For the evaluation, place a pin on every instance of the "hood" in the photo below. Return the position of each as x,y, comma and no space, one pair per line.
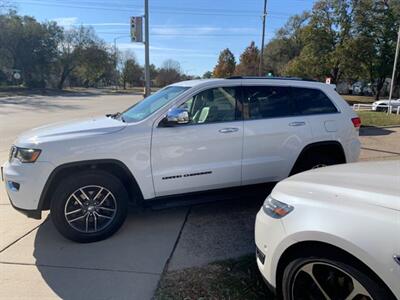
71,129
374,183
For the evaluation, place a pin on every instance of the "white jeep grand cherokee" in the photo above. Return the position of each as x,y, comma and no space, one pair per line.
190,136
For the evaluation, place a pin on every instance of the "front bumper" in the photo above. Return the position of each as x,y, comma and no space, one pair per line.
269,233
24,185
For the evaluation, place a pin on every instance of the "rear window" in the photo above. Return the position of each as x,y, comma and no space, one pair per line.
312,101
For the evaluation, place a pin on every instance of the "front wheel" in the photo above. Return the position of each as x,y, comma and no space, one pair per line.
321,278
89,206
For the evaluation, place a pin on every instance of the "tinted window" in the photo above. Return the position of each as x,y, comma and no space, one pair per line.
267,102
213,105
312,101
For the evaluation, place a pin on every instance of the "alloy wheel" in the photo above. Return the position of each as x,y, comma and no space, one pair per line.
90,209
319,280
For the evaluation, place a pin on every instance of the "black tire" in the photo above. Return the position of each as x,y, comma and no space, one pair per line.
382,108
314,160
112,221
292,288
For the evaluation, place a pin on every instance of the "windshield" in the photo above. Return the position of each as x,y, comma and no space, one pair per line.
149,105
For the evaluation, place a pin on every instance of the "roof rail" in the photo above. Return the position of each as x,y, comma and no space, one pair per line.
271,77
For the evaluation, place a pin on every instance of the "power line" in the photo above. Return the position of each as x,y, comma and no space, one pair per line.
169,11
186,34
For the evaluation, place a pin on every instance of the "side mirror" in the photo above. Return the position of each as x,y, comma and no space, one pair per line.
176,116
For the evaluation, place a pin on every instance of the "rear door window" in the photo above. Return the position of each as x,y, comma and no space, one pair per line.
312,101
261,102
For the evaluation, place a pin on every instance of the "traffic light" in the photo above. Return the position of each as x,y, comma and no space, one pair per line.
137,29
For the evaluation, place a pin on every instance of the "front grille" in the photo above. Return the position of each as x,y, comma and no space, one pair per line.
260,255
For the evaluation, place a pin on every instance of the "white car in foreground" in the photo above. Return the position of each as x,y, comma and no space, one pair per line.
383,105
333,233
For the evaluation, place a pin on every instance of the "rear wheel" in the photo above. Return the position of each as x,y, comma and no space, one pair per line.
322,278
314,160
89,206
382,108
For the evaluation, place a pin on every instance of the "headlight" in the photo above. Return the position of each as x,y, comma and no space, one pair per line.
25,155
275,208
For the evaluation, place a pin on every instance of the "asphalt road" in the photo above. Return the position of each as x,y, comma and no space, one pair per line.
36,262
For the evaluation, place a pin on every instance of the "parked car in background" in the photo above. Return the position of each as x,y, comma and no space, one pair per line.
333,233
191,136
383,105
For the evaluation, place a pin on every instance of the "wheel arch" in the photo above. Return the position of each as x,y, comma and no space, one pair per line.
331,146
112,166
312,247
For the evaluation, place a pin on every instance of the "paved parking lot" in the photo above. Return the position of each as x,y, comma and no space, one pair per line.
37,262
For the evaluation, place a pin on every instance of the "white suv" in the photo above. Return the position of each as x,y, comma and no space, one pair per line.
190,136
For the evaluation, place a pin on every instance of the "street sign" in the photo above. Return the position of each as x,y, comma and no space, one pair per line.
137,29
328,80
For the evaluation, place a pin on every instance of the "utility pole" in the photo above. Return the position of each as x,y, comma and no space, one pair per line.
394,70
260,69
146,49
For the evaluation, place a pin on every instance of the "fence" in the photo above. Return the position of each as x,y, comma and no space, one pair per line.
367,107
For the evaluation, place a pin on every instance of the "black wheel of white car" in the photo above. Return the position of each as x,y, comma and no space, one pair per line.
89,206
382,108
320,278
314,161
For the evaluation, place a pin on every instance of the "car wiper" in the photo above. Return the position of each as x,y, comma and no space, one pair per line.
114,116
117,116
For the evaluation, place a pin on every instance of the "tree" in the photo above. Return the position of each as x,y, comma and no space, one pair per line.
226,64
376,24
169,73
249,61
6,5
153,72
72,47
207,75
96,65
286,45
132,72
325,41
29,47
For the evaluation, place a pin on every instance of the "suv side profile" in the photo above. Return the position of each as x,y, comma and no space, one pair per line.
189,137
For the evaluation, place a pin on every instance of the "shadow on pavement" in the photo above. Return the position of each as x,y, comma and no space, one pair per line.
129,264
125,266
219,231
375,131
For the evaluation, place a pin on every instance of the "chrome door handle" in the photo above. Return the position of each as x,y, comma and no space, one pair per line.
297,124
228,130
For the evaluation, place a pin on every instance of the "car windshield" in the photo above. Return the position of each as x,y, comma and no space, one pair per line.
154,102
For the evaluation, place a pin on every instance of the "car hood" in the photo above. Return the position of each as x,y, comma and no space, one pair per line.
71,129
374,183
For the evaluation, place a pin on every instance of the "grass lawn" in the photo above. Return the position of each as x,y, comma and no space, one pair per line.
230,279
352,99
374,118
